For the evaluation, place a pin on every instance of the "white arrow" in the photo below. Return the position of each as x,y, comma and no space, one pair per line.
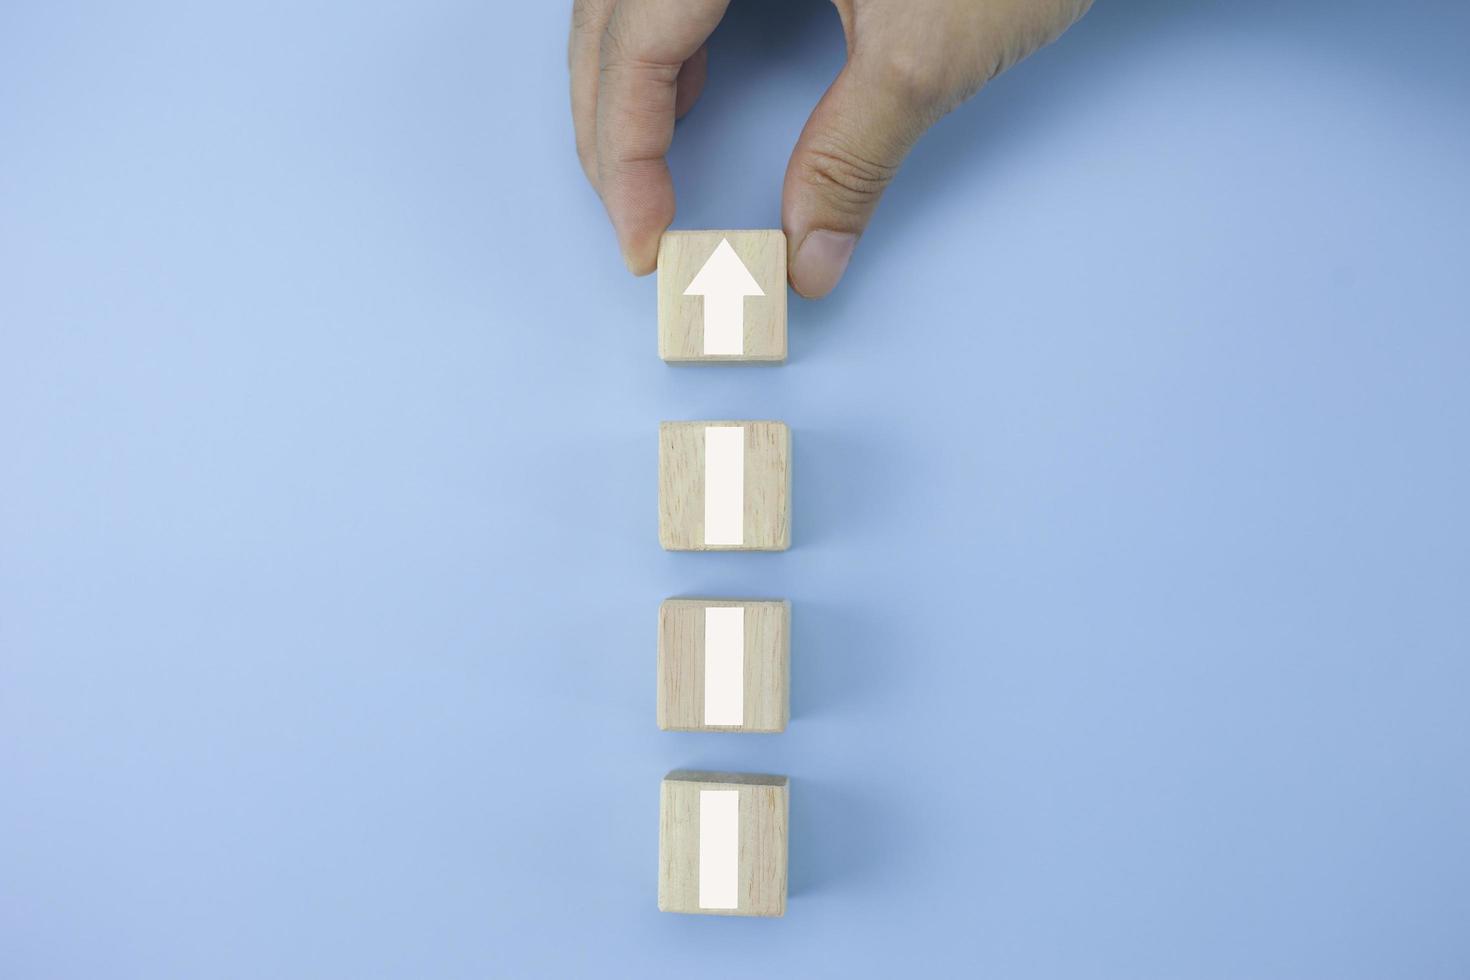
724,282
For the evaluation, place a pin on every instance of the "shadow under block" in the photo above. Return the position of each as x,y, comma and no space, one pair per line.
724,665
722,296
724,486
722,843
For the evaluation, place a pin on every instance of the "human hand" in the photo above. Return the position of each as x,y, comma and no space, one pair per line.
637,65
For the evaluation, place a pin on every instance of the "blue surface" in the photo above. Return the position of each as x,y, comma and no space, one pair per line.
1132,565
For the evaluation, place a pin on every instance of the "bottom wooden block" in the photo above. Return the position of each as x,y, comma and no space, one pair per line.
722,843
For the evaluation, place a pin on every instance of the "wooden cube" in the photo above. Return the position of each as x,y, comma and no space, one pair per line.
724,665
722,296
724,486
722,843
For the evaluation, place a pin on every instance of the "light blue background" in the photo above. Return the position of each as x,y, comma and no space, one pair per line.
1132,565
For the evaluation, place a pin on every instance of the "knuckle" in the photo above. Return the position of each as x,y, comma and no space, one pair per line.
619,55
850,181
619,42
638,96
614,43
917,79
587,14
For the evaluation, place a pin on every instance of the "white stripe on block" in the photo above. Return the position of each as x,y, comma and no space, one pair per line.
719,848
724,665
724,325
724,485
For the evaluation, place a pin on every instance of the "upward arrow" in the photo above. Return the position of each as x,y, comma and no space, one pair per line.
724,282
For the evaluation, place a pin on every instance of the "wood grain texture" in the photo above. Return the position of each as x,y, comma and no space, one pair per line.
767,666
767,505
764,818
681,254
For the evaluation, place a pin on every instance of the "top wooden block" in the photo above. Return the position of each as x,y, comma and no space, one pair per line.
722,296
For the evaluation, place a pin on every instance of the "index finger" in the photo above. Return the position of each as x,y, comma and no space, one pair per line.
645,45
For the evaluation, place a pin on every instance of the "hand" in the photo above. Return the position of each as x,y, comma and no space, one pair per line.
637,65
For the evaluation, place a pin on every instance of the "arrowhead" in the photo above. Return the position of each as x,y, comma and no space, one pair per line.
723,274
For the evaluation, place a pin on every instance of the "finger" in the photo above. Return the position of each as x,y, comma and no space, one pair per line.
847,155
691,81
589,22
644,49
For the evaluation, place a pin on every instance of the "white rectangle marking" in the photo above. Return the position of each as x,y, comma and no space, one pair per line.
719,848
724,485
724,325
724,665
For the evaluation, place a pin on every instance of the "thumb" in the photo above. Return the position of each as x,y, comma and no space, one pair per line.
848,153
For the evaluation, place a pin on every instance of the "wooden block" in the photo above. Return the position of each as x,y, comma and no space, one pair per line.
722,843
724,486
722,296
724,665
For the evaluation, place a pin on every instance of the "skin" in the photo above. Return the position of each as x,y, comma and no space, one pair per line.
637,65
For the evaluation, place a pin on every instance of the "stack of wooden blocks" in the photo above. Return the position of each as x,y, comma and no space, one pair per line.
724,665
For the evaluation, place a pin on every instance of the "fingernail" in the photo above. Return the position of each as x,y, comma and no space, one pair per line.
821,258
